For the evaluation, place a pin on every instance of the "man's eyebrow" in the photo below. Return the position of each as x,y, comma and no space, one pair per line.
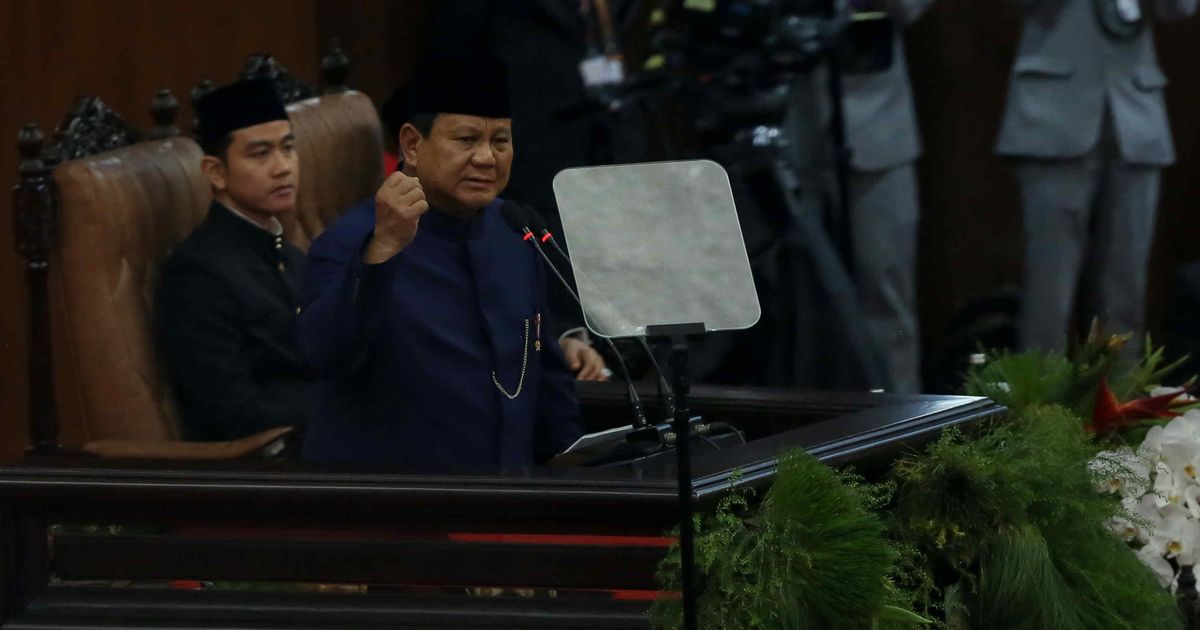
258,144
289,137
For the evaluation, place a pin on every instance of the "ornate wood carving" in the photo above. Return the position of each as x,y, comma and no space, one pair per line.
335,68
163,109
35,213
91,127
289,87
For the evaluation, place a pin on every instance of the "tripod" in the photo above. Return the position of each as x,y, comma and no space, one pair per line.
809,335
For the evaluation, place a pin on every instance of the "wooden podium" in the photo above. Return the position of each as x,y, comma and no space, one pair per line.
90,543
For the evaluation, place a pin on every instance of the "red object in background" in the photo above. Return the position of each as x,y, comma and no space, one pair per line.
390,162
1110,415
644,596
187,585
563,539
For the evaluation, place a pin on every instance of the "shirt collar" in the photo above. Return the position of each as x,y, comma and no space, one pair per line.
450,227
276,227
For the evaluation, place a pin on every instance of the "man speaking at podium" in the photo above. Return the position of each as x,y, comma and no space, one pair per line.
428,311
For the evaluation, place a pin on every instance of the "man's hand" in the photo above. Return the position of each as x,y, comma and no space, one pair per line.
587,364
399,205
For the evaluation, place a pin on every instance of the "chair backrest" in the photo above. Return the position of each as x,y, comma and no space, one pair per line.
341,159
121,212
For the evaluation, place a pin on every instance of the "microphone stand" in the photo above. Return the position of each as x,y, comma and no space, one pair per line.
635,403
665,395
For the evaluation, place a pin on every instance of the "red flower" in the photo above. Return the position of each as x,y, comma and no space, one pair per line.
1109,415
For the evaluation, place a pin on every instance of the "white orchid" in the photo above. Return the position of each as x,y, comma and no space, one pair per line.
1127,525
1185,428
1152,444
1147,514
1159,390
1158,564
1183,458
1169,485
1191,500
1175,535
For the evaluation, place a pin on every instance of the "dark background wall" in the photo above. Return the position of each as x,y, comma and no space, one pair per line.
125,50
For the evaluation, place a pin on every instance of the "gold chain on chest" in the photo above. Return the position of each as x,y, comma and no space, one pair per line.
524,365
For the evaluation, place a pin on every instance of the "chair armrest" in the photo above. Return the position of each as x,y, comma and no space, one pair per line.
265,445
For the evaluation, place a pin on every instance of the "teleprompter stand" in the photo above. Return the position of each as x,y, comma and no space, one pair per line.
678,336
657,250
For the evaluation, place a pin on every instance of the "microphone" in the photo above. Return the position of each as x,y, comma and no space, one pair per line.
519,220
542,230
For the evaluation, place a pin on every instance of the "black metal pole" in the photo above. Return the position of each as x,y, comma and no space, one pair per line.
687,533
1186,596
841,225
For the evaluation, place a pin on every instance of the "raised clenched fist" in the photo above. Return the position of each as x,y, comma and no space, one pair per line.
399,205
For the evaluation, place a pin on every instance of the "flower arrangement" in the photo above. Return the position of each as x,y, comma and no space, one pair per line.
997,527
1159,489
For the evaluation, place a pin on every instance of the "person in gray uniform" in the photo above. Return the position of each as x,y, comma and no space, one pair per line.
1087,126
882,137
881,132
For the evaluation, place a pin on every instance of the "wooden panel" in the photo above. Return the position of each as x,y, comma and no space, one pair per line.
66,607
1176,240
425,562
959,57
383,38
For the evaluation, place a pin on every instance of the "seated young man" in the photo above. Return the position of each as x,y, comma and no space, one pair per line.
429,311
227,300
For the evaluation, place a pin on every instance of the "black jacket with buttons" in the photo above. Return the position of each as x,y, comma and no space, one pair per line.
226,317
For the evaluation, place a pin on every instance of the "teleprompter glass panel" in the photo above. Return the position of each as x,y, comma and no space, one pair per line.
656,244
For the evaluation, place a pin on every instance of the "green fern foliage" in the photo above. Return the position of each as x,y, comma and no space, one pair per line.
1025,379
1014,514
809,557
1019,381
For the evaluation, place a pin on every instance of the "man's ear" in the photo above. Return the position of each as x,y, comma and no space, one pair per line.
410,139
214,170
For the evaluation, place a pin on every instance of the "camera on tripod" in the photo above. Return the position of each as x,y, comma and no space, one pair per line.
755,85
734,59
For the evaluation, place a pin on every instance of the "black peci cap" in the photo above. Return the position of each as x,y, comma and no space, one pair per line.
237,106
396,110
474,86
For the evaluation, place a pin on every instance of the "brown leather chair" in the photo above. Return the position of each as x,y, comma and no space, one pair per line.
120,213
341,159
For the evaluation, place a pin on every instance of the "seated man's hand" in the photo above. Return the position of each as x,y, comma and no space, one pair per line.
587,364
